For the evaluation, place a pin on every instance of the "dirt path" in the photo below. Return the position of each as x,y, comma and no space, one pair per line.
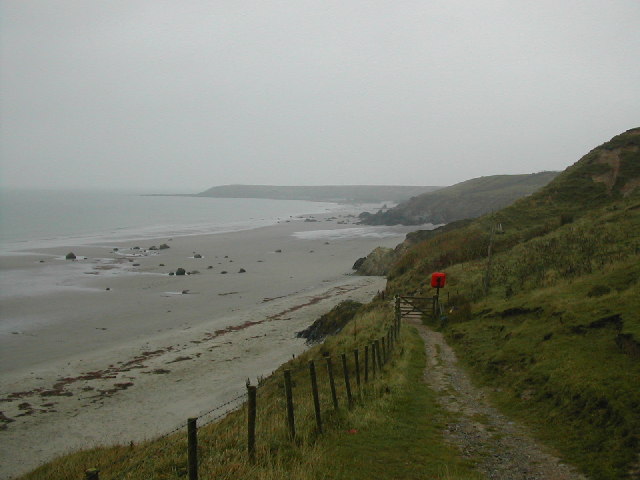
503,449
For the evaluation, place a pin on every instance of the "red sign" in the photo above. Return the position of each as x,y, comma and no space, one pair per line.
438,279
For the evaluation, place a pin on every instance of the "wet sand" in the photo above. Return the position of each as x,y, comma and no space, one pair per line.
110,348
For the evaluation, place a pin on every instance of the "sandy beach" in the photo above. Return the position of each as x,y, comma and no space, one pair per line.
110,348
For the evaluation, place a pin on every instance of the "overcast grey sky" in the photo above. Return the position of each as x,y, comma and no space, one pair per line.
181,95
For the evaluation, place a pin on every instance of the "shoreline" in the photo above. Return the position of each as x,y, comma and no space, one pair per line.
153,232
146,220
123,341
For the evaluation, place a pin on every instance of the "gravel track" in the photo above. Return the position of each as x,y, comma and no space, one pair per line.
502,448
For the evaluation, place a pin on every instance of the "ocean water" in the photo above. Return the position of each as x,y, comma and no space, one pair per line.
36,218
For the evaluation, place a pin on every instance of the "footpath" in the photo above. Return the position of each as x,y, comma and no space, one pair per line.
502,449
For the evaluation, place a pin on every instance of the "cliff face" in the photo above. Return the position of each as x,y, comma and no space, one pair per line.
468,199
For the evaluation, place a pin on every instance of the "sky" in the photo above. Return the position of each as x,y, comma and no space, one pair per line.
181,95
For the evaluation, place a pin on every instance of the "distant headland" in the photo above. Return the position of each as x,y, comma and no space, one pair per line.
324,193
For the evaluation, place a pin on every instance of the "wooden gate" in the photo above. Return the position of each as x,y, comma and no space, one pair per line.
416,307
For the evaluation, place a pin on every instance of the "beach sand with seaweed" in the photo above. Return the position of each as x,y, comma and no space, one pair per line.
110,348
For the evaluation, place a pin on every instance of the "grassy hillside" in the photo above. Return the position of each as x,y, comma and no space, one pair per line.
551,322
327,193
468,199
391,431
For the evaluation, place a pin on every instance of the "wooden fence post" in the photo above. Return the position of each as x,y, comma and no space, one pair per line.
434,306
316,396
378,357
373,360
288,389
366,363
357,365
332,382
92,474
389,343
385,349
398,313
347,384
192,448
251,422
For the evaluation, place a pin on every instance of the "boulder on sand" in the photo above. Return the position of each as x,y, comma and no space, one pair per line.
181,271
70,256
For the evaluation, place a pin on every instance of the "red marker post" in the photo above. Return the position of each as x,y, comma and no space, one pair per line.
438,281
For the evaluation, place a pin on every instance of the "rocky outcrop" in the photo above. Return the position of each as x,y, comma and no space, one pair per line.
377,262
380,260
331,322
358,263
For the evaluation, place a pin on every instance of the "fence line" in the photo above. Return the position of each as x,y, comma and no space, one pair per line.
377,353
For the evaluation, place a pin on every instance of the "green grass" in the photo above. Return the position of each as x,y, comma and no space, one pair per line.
557,335
402,440
396,421
557,366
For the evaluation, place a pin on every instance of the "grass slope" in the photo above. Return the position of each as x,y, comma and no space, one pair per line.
402,439
392,430
552,322
468,199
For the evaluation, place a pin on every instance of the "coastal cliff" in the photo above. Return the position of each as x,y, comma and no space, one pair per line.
468,199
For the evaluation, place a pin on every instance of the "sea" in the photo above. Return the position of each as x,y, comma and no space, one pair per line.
31,219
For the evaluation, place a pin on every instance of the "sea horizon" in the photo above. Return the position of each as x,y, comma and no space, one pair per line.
47,218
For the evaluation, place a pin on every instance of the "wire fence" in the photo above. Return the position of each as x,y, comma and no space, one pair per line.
297,403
